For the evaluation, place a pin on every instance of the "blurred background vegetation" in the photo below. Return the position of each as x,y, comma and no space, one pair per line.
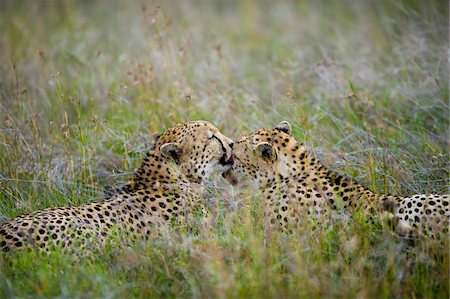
84,85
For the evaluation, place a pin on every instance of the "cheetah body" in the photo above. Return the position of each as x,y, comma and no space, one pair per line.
294,184
167,185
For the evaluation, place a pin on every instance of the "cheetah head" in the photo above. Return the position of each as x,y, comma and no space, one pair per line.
198,148
265,155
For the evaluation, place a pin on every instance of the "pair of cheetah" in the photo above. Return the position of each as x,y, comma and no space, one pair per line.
168,186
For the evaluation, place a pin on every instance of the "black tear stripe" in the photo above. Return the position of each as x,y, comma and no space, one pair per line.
222,159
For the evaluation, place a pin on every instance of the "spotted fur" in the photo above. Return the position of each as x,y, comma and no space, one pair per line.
167,186
295,183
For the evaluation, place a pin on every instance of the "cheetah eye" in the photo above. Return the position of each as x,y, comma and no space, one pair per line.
210,135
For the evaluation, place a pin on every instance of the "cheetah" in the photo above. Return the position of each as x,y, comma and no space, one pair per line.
167,185
295,183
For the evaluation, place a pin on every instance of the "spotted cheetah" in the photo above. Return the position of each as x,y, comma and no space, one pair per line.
295,183
167,185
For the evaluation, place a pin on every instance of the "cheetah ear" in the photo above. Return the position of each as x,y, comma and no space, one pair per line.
265,150
155,136
171,150
284,126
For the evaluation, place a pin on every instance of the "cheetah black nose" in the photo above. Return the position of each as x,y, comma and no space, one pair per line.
226,162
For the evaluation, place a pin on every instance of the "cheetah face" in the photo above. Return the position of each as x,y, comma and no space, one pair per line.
198,148
260,157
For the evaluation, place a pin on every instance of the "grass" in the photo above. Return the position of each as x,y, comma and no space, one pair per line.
83,86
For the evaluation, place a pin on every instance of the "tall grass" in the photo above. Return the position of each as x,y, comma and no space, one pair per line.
83,86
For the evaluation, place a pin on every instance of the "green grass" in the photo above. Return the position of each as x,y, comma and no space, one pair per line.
83,86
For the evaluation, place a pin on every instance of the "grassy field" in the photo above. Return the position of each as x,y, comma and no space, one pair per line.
83,86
